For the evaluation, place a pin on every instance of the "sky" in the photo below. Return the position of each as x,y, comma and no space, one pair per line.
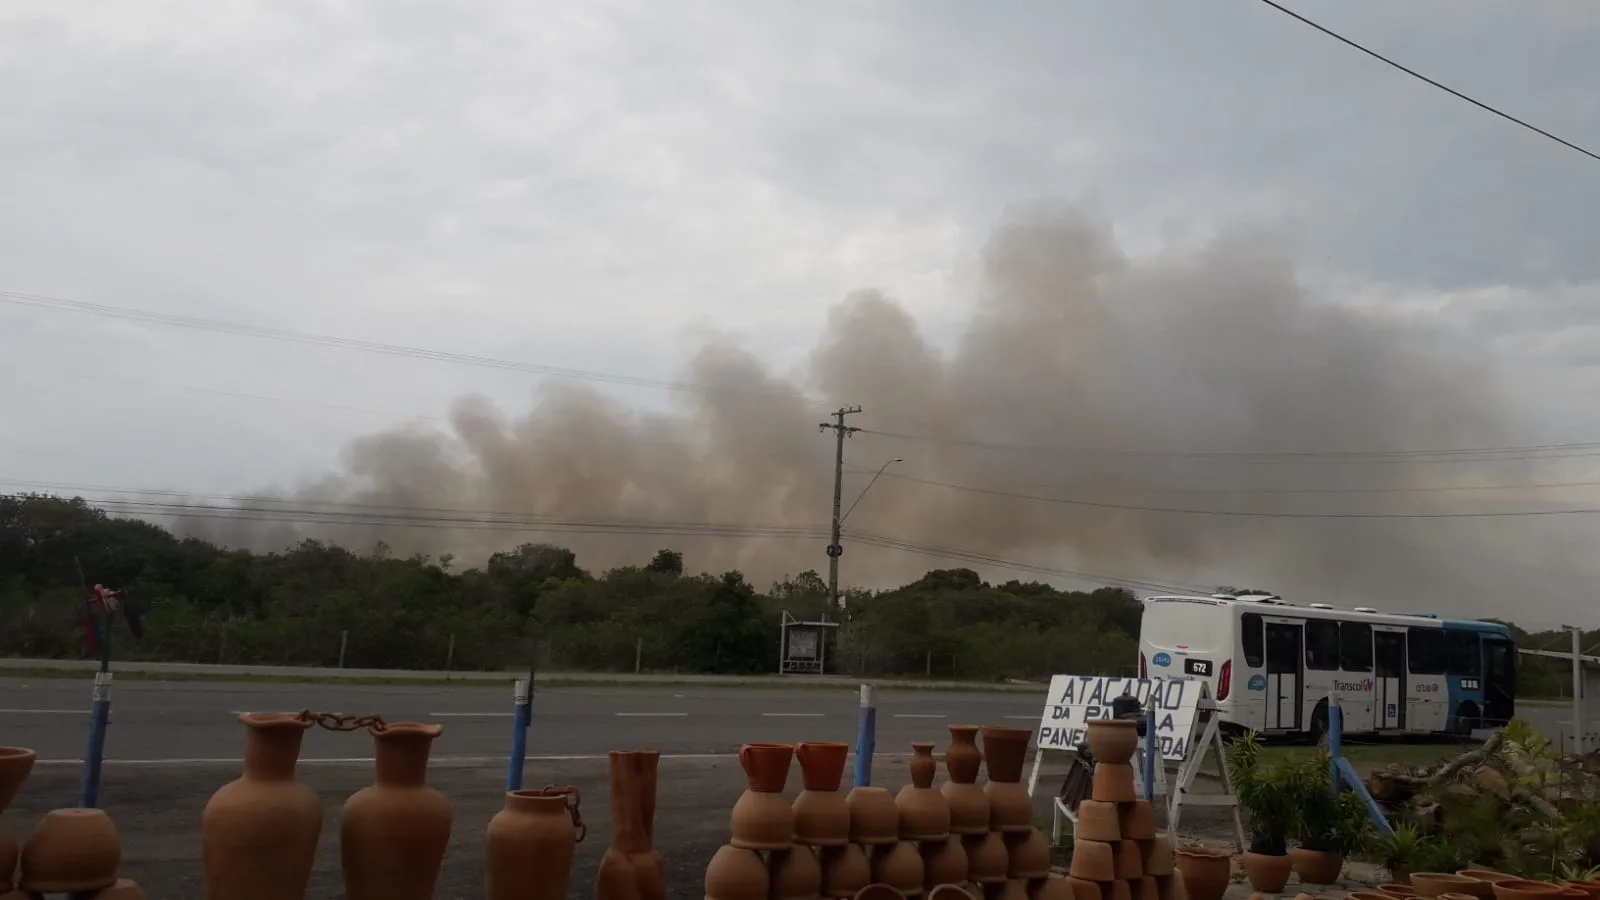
614,186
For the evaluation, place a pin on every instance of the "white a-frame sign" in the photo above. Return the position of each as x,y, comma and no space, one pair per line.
1186,726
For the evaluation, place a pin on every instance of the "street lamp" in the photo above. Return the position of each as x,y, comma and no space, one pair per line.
864,490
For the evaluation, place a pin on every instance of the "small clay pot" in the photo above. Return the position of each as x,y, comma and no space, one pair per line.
1432,884
1267,872
821,816
1482,890
987,860
821,764
1170,887
1316,866
1099,821
1158,856
1205,872
874,818
1029,855
1005,750
71,851
735,874
1113,740
1011,889
951,891
1113,783
969,807
944,862
1094,860
15,764
1084,889
924,812
762,819
1051,887
921,764
766,766
1010,807
1129,859
1145,888
1137,820
845,870
963,759
898,865
794,874
879,892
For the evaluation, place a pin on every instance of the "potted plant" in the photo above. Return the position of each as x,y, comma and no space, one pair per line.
1328,826
1267,796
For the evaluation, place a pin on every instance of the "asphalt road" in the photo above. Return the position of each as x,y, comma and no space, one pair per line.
191,723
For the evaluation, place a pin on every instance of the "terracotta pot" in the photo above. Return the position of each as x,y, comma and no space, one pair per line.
924,812
1316,866
1113,740
1113,783
794,874
1137,820
1205,872
1029,855
845,870
951,891
259,832
1099,821
821,817
879,892
944,862
1479,888
987,859
899,866
124,889
1011,889
1053,887
1158,857
735,874
1084,889
874,818
1568,892
1522,889
393,833
1170,887
1397,890
1592,888
1129,859
529,845
969,807
1432,884
10,849
71,851
630,869
1267,873
1145,888
963,759
1005,750
15,764
1010,807
763,819
1094,860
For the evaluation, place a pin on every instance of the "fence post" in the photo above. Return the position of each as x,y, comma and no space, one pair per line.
344,641
521,717
866,737
638,655
450,653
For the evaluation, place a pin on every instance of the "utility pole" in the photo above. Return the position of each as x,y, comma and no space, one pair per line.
836,549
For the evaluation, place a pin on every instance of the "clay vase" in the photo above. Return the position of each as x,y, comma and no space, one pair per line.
944,862
735,874
630,868
794,874
898,865
1267,872
845,870
393,832
1010,807
1205,872
1113,740
71,851
874,819
258,834
15,764
969,806
987,860
529,845
1028,855
924,813
821,817
763,819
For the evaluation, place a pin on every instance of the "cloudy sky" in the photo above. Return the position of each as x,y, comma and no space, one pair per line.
602,186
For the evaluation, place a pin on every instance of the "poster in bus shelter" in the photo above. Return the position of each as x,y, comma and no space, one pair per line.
1076,700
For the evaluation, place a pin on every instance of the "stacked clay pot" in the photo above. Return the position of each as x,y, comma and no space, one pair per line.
1013,840
762,860
71,851
1118,853
822,820
924,816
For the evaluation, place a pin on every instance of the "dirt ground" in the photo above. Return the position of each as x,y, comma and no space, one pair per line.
157,811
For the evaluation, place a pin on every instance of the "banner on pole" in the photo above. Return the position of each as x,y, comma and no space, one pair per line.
1076,700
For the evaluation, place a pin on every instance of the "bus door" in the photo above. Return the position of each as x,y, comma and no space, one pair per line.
1389,676
1285,669
1499,681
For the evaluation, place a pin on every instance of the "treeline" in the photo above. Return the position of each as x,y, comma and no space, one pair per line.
318,605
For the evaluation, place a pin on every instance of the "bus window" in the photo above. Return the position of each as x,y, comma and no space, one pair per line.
1322,645
1462,656
1426,649
1255,649
1355,646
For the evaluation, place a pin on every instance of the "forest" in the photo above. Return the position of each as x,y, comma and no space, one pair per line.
308,605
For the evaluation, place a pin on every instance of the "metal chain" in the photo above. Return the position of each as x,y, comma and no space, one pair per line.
339,722
574,801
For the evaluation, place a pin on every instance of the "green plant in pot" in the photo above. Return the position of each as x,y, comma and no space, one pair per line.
1328,826
1267,795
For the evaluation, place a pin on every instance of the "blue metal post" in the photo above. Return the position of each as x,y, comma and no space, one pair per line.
866,737
94,754
1335,738
521,718
1151,748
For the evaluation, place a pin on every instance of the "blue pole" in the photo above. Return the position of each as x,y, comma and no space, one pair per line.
94,754
521,718
1150,748
1335,738
866,737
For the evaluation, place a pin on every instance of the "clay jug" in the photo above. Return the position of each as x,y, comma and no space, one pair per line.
898,865
15,764
762,819
735,874
393,832
530,843
630,868
1113,740
987,859
1010,807
874,819
969,806
944,862
923,812
821,817
71,851
794,874
845,870
258,834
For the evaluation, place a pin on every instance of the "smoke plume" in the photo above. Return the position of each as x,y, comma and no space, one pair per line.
1082,374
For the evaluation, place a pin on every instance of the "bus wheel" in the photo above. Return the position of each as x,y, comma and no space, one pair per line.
1467,717
1319,724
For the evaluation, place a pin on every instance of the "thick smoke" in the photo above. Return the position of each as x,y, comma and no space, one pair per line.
1109,377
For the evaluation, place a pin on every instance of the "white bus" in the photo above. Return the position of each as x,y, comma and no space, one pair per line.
1271,664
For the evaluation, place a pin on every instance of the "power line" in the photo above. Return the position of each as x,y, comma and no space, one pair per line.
1423,78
